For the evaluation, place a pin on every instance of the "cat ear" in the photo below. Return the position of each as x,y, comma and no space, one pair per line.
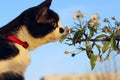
44,6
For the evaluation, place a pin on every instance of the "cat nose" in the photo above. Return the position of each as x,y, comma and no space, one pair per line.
61,30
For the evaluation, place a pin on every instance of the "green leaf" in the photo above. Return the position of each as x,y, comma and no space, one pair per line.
98,47
113,42
62,38
89,50
69,44
101,36
91,32
105,47
93,61
77,36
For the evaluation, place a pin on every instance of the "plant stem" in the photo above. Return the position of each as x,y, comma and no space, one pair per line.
96,40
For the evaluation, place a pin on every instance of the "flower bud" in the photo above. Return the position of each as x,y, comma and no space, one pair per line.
66,52
113,17
106,20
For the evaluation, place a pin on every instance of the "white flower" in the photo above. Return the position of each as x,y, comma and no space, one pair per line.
83,15
67,31
95,18
94,25
91,24
94,21
78,15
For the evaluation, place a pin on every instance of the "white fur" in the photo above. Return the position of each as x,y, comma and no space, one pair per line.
17,64
24,35
22,60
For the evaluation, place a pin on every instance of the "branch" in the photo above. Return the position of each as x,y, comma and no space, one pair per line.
96,40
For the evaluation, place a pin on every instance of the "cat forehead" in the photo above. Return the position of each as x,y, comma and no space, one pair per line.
49,17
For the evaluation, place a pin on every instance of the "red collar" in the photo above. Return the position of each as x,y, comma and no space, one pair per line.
18,41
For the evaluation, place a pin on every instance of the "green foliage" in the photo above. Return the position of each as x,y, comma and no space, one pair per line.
105,47
91,38
93,59
62,39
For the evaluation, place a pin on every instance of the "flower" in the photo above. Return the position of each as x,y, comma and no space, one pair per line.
106,20
113,17
91,24
78,15
98,58
94,21
66,34
95,18
67,31
95,27
106,30
83,15
66,52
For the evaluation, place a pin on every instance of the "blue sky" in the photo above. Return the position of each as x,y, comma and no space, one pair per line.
50,58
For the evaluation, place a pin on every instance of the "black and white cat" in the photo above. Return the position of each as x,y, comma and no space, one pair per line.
32,28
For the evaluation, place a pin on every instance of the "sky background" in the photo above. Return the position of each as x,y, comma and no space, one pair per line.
50,58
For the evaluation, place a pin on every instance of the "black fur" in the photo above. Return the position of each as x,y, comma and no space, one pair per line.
11,76
38,20
7,49
42,27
